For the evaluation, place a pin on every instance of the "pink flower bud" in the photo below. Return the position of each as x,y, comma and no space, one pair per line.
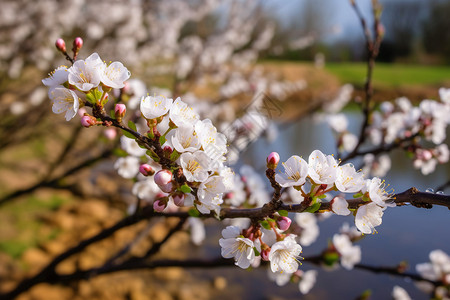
88,121
168,150
166,188
60,45
159,205
77,43
178,199
265,254
427,155
146,170
110,133
272,160
119,111
82,111
283,223
163,177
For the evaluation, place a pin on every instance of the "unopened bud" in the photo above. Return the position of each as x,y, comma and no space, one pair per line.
159,205
427,155
178,199
163,177
110,133
119,111
272,160
168,150
265,254
61,45
88,121
283,223
166,188
77,43
146,170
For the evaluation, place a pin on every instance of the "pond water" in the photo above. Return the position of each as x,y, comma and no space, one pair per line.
407,233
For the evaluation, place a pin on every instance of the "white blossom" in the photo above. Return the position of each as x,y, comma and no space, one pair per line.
368,217
307,282
295,172
375,188
284,255
195,166
399,293
154,107
85,74
131,146
127,167
182,114
198,233
57,77
237,246
64,100
350,254
348,180
322,169
185,139
114,75
340,206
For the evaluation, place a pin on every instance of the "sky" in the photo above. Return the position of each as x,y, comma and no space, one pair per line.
338,15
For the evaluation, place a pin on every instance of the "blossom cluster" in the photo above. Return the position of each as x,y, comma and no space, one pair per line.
86,80
419,130
249,246
438,270
324,174
196,148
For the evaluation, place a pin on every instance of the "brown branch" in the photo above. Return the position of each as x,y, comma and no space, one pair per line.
372,46
48,274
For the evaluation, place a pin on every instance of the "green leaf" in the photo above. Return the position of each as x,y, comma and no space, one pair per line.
112,114
153,155
283,213
357,195
120,152
185,188
132,125
265,224
128,135
162,139
256,252
193,212
174,155
90,97
330,258
322,196
313,208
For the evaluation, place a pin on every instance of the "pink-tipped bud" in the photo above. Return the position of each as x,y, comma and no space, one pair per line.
265,254
110,133
159,205
178,199
168,150
146,170
427,155
60,45
163,177
77,44
88,121
166,188
284,223
119,111
272,160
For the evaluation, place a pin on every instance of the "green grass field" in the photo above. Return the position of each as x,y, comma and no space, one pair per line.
390,75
